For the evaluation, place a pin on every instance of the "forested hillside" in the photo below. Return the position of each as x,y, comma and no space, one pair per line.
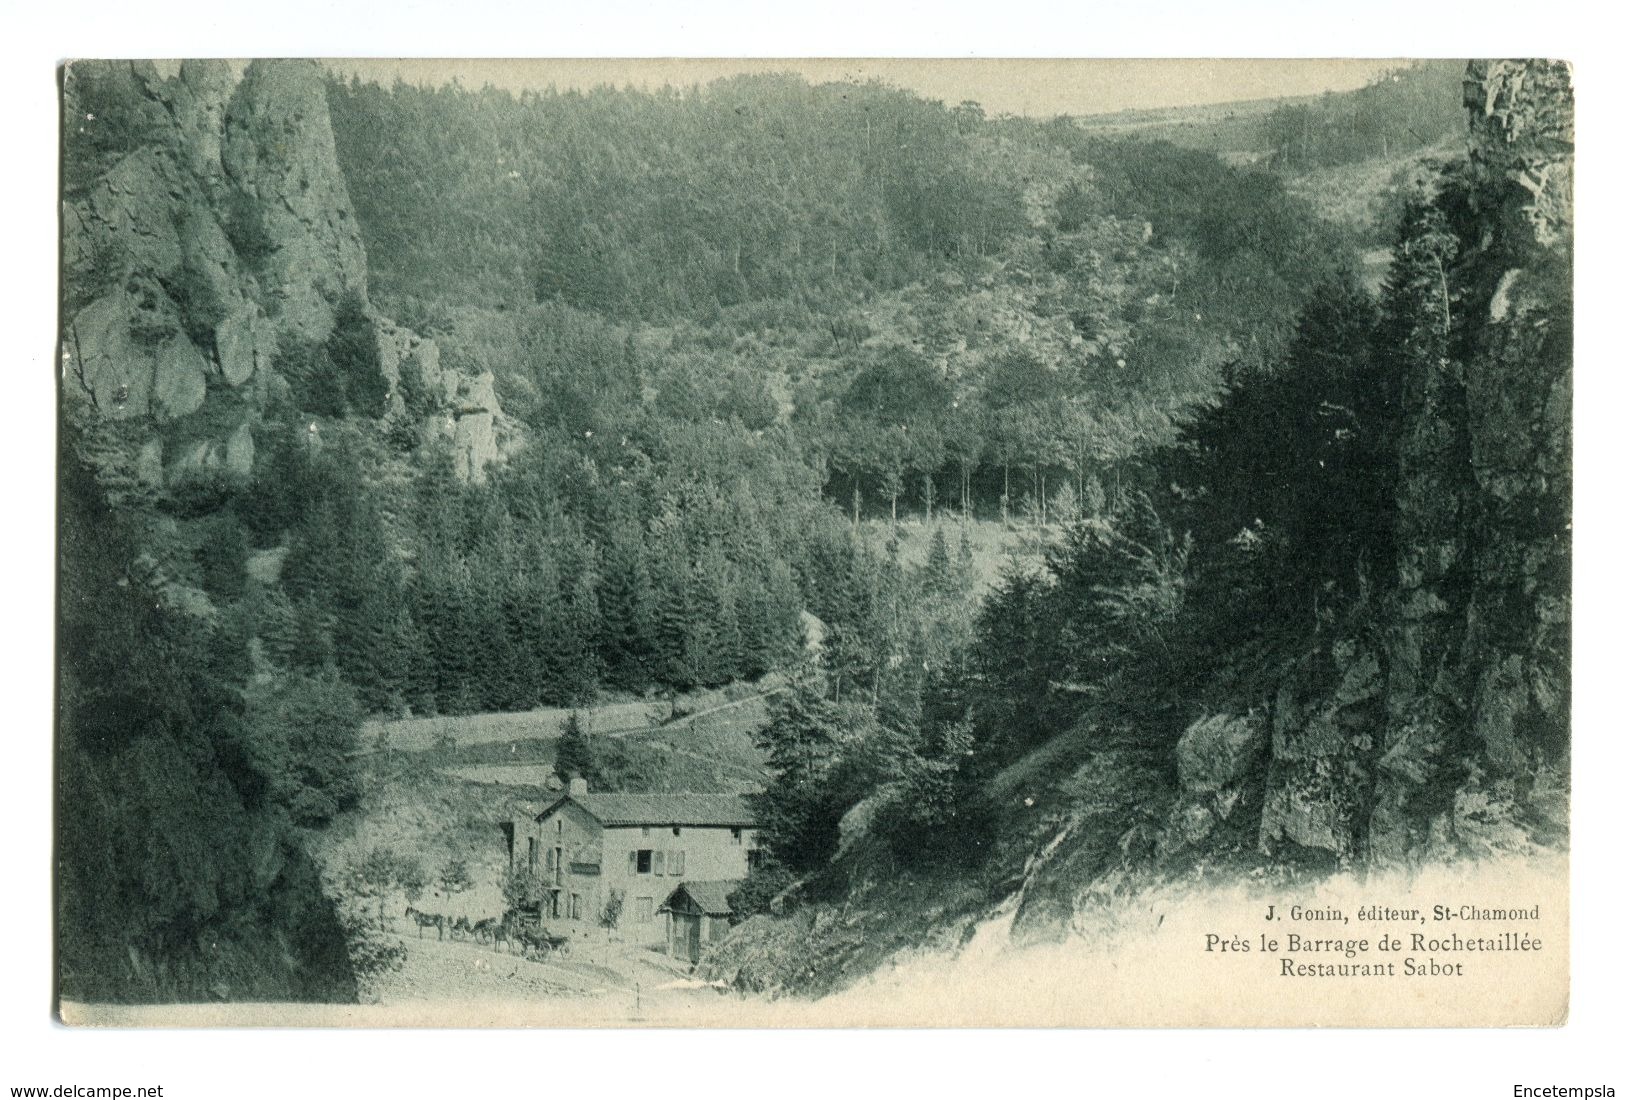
1411,107
1333,632
425,401
919,293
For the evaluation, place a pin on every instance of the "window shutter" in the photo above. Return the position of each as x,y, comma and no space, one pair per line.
679,860
550,865
660,861
632,856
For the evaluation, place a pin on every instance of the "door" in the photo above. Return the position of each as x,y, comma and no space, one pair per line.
694,938
685,936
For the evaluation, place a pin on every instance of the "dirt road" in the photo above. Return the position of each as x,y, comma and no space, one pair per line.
597,980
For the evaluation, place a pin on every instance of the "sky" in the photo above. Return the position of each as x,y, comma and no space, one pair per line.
1034,87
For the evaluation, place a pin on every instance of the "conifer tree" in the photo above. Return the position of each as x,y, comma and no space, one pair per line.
937,578
800,810
626,602
573,756
674,620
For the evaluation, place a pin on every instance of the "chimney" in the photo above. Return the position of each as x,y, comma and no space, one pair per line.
578,787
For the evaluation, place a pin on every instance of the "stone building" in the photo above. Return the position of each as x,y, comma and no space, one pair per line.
624,856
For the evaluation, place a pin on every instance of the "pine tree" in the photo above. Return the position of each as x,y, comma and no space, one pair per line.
937,578
800,811
728,655
626,602
674,621
523,626
582,629
573,756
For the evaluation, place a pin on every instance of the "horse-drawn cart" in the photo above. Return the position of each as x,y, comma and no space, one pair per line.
545,943
526,930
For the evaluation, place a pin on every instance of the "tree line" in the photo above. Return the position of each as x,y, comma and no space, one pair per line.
950,309
1265,528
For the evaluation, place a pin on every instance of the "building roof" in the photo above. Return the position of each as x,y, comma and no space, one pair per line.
712,897
663,809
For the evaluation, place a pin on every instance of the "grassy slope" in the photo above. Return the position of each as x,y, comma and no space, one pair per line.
994,545
1358,195
1234,130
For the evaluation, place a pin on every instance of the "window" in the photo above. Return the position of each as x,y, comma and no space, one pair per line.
753,858
676,830
575,906
646,830
644,910
553,905
535,853
738,836
645,860
676,862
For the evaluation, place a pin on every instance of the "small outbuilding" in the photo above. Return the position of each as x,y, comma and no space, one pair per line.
697,913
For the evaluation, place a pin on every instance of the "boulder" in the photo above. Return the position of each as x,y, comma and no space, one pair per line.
193,462
236,344
427,358
179,378
240,451
1218,750
475,444
1191,823
213,283
112,367
474,439
1309,804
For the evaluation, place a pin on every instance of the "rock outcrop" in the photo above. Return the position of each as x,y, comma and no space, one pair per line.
1446,712
206,226
278,155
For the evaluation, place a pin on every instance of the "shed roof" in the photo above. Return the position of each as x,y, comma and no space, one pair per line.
711,897
663,809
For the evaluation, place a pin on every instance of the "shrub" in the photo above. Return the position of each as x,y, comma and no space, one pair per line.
244,225
352,354
755,893
302,730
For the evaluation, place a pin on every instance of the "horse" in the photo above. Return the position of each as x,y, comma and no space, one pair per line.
426,920
528,938
481,929
461,927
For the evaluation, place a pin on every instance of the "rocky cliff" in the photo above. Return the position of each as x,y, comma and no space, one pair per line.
207,227
1424,719
1435,719
215,309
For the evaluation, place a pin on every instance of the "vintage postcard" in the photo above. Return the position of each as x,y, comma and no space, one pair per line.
814,543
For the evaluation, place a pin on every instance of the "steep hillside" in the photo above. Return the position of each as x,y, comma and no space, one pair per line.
752,384
208,231
216,322
1356,658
